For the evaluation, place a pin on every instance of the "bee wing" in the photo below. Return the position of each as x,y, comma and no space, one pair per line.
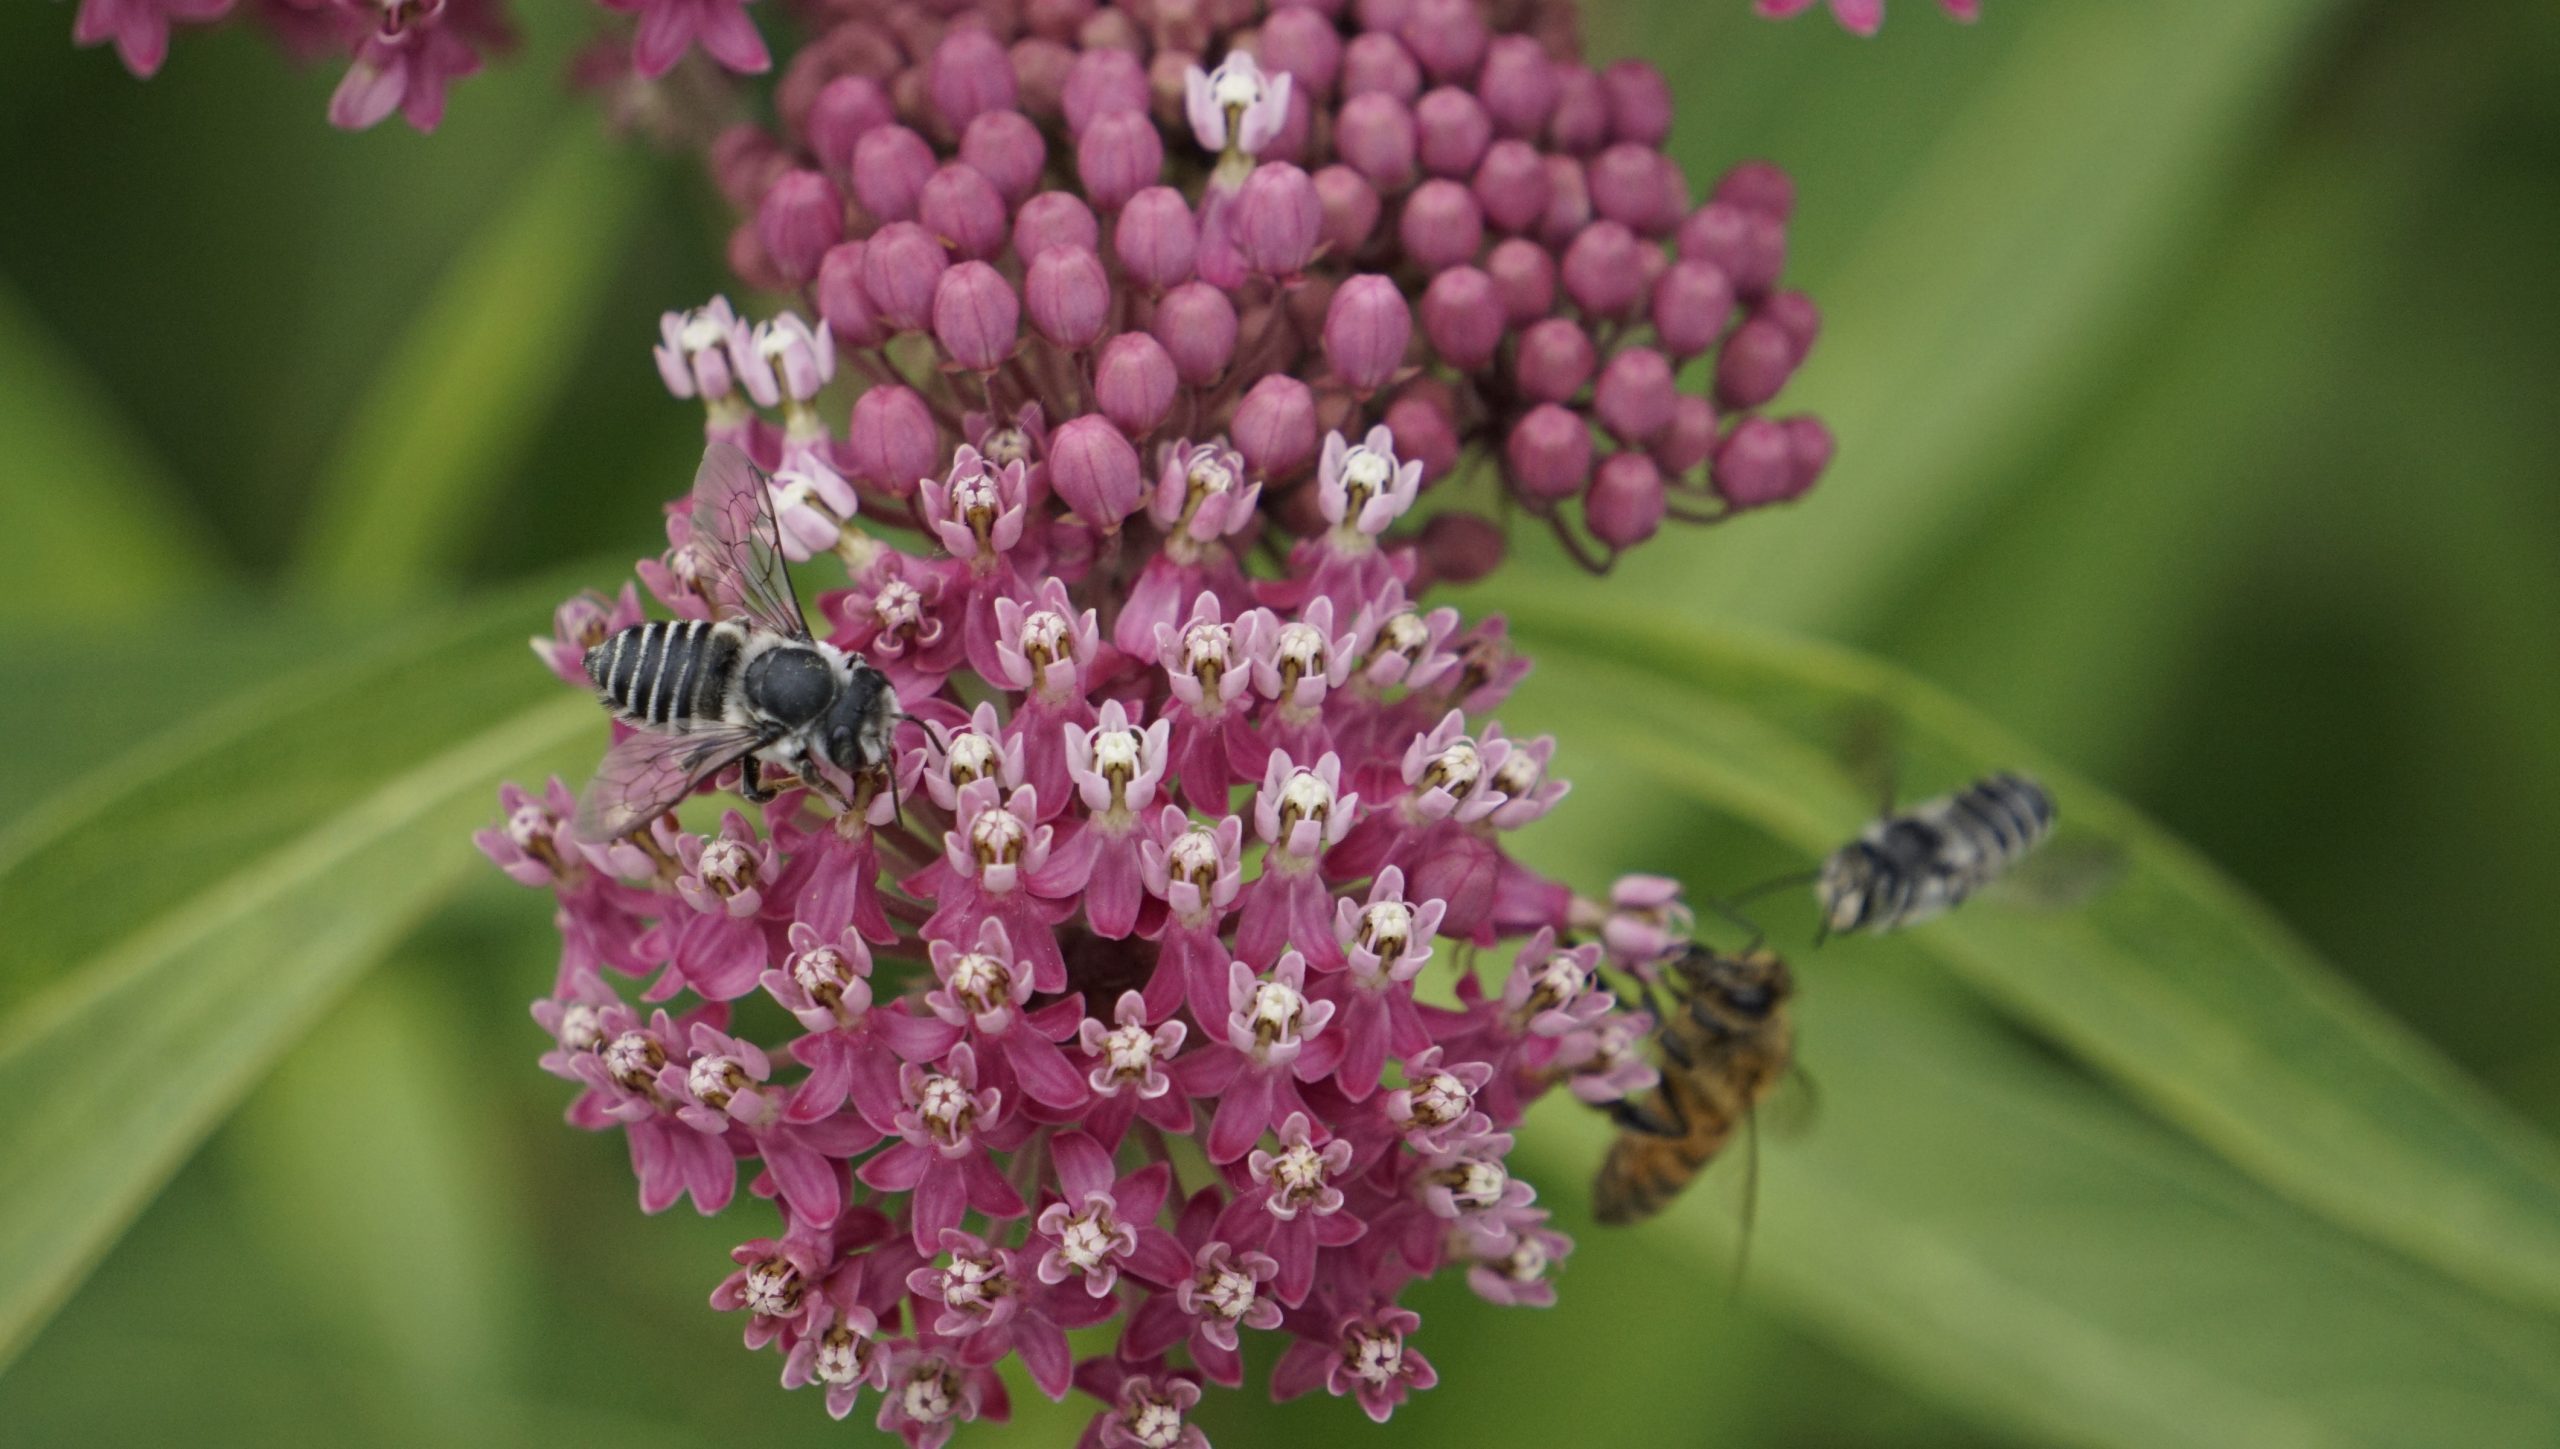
733,520
2062,875
644,775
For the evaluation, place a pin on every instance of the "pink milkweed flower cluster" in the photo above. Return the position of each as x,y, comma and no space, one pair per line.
1177,981
1862,17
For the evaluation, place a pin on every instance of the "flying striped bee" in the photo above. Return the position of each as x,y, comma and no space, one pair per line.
1726,1044
1908,867
754,686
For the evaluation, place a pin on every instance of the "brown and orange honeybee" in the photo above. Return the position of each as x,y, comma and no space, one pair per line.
1726,1044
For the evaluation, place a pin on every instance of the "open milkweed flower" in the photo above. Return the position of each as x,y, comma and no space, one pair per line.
1114,1002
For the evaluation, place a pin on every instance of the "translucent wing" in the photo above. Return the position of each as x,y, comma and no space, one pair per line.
644,775
2062,875
734,527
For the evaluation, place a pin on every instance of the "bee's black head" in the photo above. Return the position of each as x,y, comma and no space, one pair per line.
855,733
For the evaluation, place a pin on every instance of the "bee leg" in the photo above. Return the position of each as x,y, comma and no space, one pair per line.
751,783
1672,1046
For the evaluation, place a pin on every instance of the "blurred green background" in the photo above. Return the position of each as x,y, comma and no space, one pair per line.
2196,365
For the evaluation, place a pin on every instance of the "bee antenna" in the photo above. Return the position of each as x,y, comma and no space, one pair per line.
1792,878
1733,915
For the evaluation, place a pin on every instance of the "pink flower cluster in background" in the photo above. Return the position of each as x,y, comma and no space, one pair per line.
1862,17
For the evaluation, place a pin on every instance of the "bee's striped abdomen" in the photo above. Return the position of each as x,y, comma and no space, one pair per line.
666,673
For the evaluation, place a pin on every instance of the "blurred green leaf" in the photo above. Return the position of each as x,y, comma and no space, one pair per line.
177,921
365,1159
456,404
1974,1219
96,531
1971,305
2170,981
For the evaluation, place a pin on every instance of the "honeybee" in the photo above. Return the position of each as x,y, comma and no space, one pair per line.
1908,867
704,695
1726,1044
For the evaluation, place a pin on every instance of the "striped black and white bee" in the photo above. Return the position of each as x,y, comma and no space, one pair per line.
1910,866
752,686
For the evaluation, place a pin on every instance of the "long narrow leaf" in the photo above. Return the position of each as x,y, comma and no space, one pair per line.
173,926
490,352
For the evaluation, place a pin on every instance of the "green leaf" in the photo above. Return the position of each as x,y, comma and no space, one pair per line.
369,1153
2170,981
1988,211
176,921
1977,1221
96,529
456,405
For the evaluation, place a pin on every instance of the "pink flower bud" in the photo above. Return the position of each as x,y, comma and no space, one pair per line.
1448,37
1750,246
1603,272
976,316
1690,438
1451,132
1118,156
1197,325
1579,125
1462,317
847,109
1005,147
1040,70
968,75
1519,86
1809,442
1055,219
1525,275
1351,208
1626,503
1069,295
1512,186
1102,83
1635,395
1549,453
1134,382
1095,471
1460,548
1555,359
1756,465
1441,227
891,164
1366,331
1755,364
1156,239
1639,102
802,216
1758,186
1424,420
744,160
961,206
901,265
1275,426
1056,19
747,259
1568,203
1302,43
1691,305
1795,312
1636,186
1277,219
841,299
1375,135
892,442
1378,64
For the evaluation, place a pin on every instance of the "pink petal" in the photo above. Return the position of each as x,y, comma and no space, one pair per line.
1083,1167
